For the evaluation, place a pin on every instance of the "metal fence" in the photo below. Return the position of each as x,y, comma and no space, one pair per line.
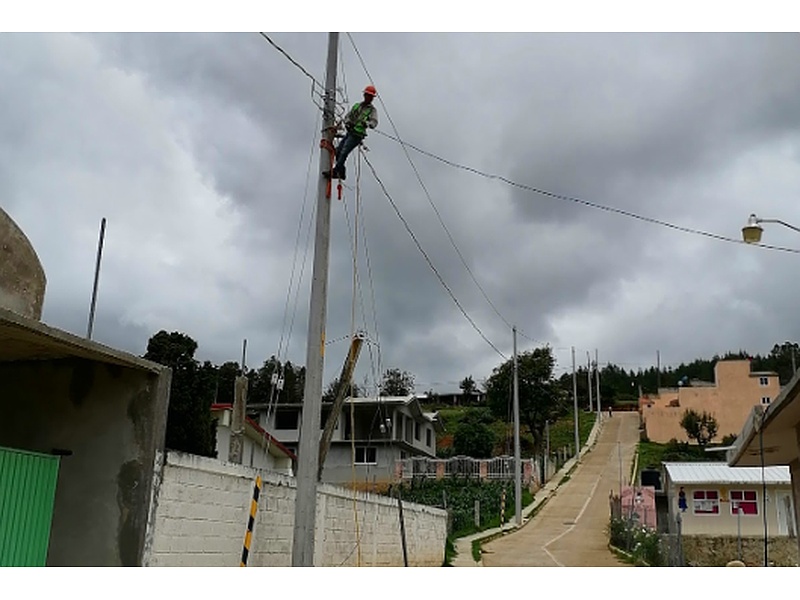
535,471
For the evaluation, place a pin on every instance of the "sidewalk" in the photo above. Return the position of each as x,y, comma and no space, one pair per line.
464,545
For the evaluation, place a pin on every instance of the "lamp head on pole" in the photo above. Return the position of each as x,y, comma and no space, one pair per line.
751,233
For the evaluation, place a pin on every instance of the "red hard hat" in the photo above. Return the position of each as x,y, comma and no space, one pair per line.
370,89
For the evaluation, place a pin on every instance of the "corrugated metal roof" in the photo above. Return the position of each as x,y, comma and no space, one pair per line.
719,472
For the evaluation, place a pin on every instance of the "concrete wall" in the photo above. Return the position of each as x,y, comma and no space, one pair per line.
112,419
730,401
203,507
22,280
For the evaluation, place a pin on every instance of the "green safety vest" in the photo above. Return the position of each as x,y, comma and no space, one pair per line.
359,116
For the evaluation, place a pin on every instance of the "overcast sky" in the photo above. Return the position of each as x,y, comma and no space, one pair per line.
202,151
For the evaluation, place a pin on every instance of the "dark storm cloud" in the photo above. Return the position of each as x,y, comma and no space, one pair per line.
197,148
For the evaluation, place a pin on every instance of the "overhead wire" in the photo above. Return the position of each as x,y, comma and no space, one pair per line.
427,193
291,60
428,259
583,202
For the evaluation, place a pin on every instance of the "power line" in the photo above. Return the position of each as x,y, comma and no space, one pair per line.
588,203
291,60
427,194
427,258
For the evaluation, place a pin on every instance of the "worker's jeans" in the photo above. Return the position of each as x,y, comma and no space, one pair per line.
349,143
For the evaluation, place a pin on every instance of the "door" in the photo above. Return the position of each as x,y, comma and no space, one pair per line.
786,524
27,494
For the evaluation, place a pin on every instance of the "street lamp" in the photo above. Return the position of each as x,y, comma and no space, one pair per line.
751,233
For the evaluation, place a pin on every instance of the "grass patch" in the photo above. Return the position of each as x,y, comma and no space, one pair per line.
652,454
449,552
476,550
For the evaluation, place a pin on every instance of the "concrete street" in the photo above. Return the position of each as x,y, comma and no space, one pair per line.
570,530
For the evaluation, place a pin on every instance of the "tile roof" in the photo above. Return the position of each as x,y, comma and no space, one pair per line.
719,472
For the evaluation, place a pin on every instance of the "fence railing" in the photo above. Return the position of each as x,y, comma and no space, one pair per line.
535,471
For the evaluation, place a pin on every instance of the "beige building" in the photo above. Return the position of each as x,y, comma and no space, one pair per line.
735,391
771,436
713,492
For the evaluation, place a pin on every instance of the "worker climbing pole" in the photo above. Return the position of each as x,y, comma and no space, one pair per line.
362,115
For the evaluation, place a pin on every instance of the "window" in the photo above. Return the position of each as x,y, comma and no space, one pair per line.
746,500
416,431
286,419
765,400
763,381
428,437
366,455
706,502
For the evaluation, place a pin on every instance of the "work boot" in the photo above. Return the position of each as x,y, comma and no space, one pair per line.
341,173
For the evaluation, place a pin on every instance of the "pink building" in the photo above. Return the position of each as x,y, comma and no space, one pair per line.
639,504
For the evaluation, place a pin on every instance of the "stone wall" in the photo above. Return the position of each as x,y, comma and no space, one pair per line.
203,507
703,551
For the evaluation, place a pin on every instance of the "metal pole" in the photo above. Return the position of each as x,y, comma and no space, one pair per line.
739,530
402,526
575,402
96,277
597,380
517,465
244,355
619,453
308,450
763,487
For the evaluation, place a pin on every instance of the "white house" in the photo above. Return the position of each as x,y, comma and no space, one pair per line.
260,449
372,434
707,496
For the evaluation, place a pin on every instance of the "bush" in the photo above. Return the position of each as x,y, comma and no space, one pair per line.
640,542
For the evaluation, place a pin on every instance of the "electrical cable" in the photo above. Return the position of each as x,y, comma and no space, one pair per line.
427,258
587,203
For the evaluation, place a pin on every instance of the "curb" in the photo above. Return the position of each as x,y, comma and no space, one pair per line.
463,545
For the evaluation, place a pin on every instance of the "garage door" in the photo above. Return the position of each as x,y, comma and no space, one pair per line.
27,493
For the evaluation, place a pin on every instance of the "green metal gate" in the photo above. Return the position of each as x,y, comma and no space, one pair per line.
27,494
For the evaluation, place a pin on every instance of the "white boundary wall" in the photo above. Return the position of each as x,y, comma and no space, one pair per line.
203,506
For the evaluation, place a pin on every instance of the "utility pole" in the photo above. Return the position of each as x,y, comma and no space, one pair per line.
658,370
96,277
597,380
238,414
575,404
589,378
305,512
517,457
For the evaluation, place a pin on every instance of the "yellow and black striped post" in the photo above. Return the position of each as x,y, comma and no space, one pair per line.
248,537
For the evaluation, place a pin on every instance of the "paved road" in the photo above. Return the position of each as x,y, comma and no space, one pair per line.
569,531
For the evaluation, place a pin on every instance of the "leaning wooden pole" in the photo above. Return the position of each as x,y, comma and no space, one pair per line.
341,393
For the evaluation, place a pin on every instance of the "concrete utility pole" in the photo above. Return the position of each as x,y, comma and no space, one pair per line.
305,512
589,378
96,277
517,457
575,402
658,370
236,446
597,380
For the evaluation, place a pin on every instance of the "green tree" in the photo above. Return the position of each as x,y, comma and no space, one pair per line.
701,427
397,383
541,398
190,427
474,436
226,380
330,392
